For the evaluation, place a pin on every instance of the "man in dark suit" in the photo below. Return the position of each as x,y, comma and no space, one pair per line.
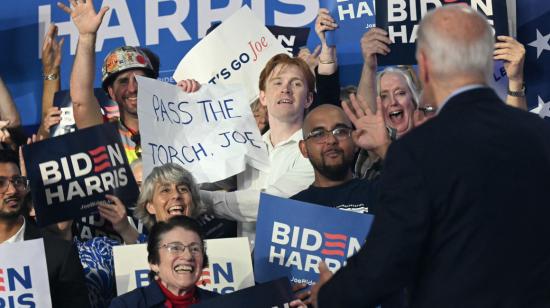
463,218
67,287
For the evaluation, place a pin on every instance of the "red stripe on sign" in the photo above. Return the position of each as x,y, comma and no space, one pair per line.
100,158
335,244
203,282
330,252
334,236
97,150
2,288
102,167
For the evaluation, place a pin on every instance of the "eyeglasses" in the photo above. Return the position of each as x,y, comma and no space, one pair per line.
427,109
177,248
320,135
18,182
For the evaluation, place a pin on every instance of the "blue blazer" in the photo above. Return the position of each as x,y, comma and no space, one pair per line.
463,213
151,297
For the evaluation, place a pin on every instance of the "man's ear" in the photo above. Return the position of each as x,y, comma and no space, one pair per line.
303,148
423,67
261,97
309,100
111,93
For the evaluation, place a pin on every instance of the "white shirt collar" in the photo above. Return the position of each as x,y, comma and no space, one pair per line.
19,236
296,137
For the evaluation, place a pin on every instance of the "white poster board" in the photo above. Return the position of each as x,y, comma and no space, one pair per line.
230,266
211,133
24,275
233,53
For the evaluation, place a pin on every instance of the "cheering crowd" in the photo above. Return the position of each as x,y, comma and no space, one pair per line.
453,176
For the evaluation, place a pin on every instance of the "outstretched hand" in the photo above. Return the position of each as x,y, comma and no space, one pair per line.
370,127
324,276
84,16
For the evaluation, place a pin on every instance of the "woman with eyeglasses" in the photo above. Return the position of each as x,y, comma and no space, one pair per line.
176,255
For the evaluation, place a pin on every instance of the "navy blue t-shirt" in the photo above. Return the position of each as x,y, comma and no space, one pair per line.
356,195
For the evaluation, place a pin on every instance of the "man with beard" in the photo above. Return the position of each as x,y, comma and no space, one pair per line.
329,146
65,275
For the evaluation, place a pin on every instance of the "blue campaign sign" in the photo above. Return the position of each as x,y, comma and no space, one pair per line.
293,237
70,178
354,18
401,18
276,293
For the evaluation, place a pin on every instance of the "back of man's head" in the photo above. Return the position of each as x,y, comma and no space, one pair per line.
457,41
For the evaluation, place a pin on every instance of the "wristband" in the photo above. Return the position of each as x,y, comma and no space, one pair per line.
520,93
53,76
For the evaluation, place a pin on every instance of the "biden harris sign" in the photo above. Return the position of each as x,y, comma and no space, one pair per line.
71,174
294,237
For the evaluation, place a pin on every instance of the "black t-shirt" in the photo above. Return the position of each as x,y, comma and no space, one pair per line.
355,195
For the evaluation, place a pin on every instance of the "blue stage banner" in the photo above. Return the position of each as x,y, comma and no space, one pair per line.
401,18
354,18
533,19
276,293
293,237
70,178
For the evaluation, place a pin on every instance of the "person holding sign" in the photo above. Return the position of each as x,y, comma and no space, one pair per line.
118,76
458,222
177,256
65,274
286,89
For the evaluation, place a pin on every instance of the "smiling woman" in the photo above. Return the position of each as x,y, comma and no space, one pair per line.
176,255
169,190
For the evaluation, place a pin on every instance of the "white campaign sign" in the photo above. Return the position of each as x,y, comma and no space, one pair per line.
230,266
211,133
233,53
24,275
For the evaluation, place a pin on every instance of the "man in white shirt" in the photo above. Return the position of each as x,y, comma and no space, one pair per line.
286,89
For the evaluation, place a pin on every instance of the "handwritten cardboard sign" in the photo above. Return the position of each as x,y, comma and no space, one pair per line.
212,132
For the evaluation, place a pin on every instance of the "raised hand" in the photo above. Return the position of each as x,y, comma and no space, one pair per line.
512,53
324,22
53,117
324,276
375,41
116,214
370,127
84,16
51,51
312,59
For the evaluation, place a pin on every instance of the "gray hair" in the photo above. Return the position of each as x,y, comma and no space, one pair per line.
167,173
456,54
408,79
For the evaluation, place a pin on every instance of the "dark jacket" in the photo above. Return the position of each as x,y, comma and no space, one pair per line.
65,274
151,296
463,214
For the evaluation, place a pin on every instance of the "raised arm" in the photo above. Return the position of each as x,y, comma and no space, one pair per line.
8,111
375,41
512,53
51,63
86,109
328,62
